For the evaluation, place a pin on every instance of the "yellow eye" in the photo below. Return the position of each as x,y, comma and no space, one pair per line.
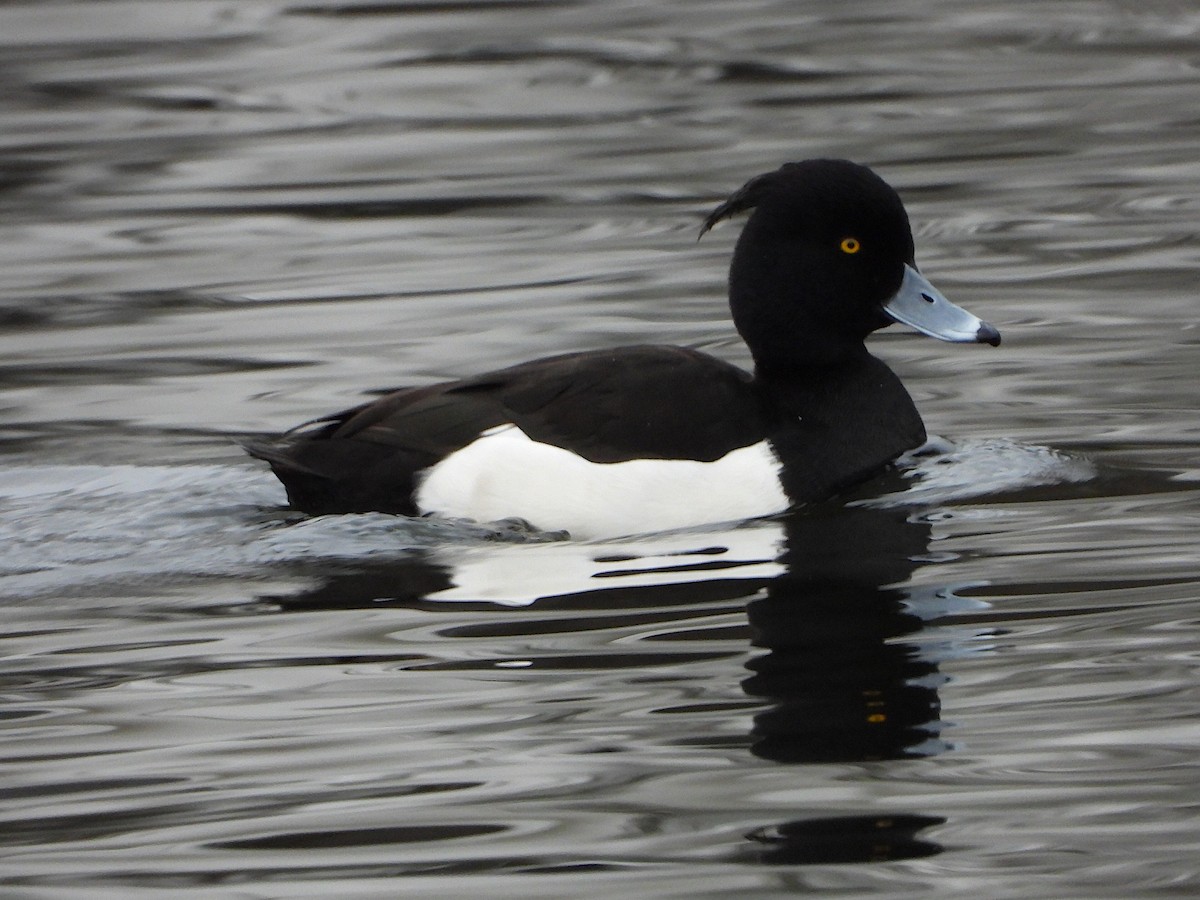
850,245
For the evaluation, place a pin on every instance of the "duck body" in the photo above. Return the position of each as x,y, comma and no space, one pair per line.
650,438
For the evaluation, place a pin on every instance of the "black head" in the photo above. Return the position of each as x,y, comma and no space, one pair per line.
823,250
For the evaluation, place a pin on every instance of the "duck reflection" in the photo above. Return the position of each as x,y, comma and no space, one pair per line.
843,687
822,591
661,570
844,673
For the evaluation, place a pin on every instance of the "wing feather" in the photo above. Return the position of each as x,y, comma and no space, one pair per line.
607,406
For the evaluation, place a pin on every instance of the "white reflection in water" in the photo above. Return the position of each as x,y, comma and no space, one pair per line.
521,575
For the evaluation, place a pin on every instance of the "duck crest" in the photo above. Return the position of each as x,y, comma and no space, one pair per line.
744,198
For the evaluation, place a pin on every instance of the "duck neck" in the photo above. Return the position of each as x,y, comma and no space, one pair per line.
844,421
807,363
857,391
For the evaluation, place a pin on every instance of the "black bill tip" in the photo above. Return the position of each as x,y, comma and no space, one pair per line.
987,335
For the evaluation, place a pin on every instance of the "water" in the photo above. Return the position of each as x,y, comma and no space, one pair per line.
977,676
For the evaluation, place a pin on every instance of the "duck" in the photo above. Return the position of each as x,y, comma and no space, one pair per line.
654,438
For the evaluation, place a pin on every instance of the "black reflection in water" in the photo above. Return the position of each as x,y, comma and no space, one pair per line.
842,683
844,676
844,839
404,581
843,688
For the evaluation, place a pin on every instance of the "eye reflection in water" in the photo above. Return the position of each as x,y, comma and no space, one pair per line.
845,678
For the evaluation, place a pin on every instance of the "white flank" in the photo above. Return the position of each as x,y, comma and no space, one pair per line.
504,473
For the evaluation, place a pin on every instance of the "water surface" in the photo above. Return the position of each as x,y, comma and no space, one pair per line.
976,676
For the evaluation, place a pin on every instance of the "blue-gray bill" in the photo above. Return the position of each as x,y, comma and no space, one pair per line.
918,304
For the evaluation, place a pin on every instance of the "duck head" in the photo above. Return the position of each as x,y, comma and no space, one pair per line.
826,258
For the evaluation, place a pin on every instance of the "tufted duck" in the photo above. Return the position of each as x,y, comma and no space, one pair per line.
650,438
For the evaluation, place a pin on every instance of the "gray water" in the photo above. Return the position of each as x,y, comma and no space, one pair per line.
976,677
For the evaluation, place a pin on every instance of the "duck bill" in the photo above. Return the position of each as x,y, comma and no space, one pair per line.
918,304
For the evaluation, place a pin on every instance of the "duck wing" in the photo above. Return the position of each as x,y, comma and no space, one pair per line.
606,406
